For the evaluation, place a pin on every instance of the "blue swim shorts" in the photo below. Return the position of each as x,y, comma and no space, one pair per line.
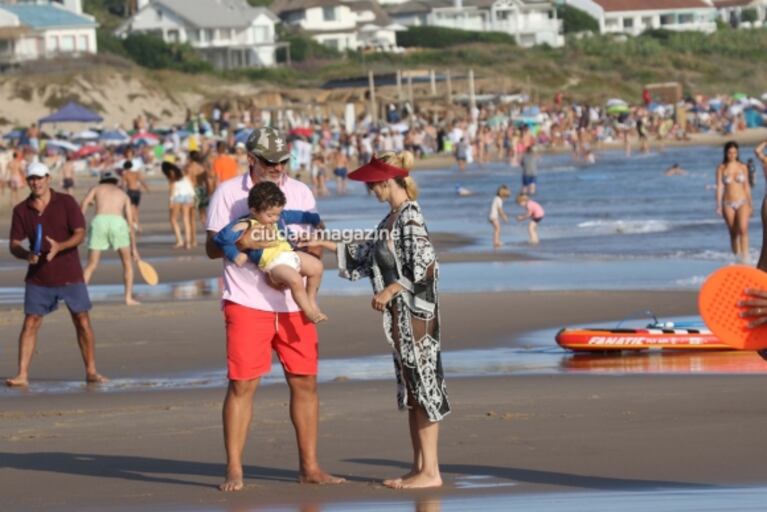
41,300
528,180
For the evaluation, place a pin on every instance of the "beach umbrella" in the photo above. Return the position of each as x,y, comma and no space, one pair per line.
242,135
617,109
616,102
13,135
302,132
87,151
114,137
63,144
739,96
86,135
148,138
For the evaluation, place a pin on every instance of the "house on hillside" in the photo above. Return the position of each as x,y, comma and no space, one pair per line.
31,31
734,11
227,33
531,22
345,25
633,17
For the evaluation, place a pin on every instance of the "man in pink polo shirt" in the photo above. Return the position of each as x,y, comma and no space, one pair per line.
261,318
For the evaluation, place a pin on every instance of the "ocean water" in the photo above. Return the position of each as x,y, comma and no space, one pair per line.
619,208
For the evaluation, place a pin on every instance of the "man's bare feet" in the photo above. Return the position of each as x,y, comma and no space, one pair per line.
132,302
179,245
95,378
18,381
320,477
395,483
421,480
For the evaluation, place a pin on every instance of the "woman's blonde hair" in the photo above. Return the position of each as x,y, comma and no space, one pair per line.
403,160
503,191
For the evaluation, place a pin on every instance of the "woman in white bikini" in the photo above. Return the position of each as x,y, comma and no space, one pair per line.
733,199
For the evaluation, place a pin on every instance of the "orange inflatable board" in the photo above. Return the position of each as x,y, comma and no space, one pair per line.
718,305
600,340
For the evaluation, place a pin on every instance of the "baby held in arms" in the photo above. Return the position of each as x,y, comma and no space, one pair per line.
267,221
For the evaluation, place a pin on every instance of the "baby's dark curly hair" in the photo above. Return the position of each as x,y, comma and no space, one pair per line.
265,195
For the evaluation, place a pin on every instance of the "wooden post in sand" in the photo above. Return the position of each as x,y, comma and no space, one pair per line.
433,80
400,96
449,88
410,90
373,105
472,94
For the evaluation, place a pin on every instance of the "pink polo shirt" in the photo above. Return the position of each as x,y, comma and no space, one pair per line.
534,209
247,285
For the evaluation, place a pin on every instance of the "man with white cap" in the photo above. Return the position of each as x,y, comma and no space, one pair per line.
53,226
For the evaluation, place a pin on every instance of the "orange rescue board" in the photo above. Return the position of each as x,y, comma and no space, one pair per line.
600,340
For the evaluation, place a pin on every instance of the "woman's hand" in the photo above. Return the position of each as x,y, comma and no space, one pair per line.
314,240
381,300
756,307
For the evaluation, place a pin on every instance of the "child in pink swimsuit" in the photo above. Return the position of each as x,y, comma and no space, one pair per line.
533,212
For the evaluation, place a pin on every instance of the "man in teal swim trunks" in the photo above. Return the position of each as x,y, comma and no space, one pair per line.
111,227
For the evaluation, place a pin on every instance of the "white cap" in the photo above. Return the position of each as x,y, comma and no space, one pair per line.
37,169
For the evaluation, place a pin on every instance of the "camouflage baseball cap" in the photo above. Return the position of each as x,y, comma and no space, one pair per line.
268,144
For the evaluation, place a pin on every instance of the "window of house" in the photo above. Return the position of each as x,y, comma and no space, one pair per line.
329,13
667,19
331,43
82,44
209,34
159,14
686,18
173,36
5,46
67,44
261,33
201,35
647,22
628,22
52,44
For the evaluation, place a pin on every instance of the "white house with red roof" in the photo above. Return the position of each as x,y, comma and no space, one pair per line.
635,16
733,11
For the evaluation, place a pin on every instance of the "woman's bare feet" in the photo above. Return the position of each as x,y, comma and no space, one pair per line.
233,482
131,302
19,381
179,245
319,477
422,480
95,378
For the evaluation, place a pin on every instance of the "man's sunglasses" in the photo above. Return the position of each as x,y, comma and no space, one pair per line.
266,163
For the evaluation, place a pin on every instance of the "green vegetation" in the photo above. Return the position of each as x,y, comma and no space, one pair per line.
589,68
260,3
749,15
440,37
575,20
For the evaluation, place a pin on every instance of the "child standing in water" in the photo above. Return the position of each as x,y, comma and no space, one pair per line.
267,221
534,212
497,213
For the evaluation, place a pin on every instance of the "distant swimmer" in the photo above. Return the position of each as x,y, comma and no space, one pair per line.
675,170
462,191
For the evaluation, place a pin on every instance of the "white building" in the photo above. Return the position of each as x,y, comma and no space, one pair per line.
38,30
227,33
531,22
635,16
342,25
732,10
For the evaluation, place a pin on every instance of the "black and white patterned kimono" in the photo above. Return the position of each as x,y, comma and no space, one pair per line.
402,253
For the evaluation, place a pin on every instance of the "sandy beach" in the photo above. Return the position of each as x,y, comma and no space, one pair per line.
149,446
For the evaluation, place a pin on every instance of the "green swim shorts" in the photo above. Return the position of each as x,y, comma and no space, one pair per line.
108,231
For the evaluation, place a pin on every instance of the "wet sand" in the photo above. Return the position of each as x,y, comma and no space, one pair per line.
509,435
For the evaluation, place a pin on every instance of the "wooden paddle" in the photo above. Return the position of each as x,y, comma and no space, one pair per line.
148,273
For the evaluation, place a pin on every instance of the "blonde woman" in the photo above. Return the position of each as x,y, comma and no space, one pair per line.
402,265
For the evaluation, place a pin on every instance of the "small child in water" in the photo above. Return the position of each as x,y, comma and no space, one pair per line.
267,221
497,213
534,212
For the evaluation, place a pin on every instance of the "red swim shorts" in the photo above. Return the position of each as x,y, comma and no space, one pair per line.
252,334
